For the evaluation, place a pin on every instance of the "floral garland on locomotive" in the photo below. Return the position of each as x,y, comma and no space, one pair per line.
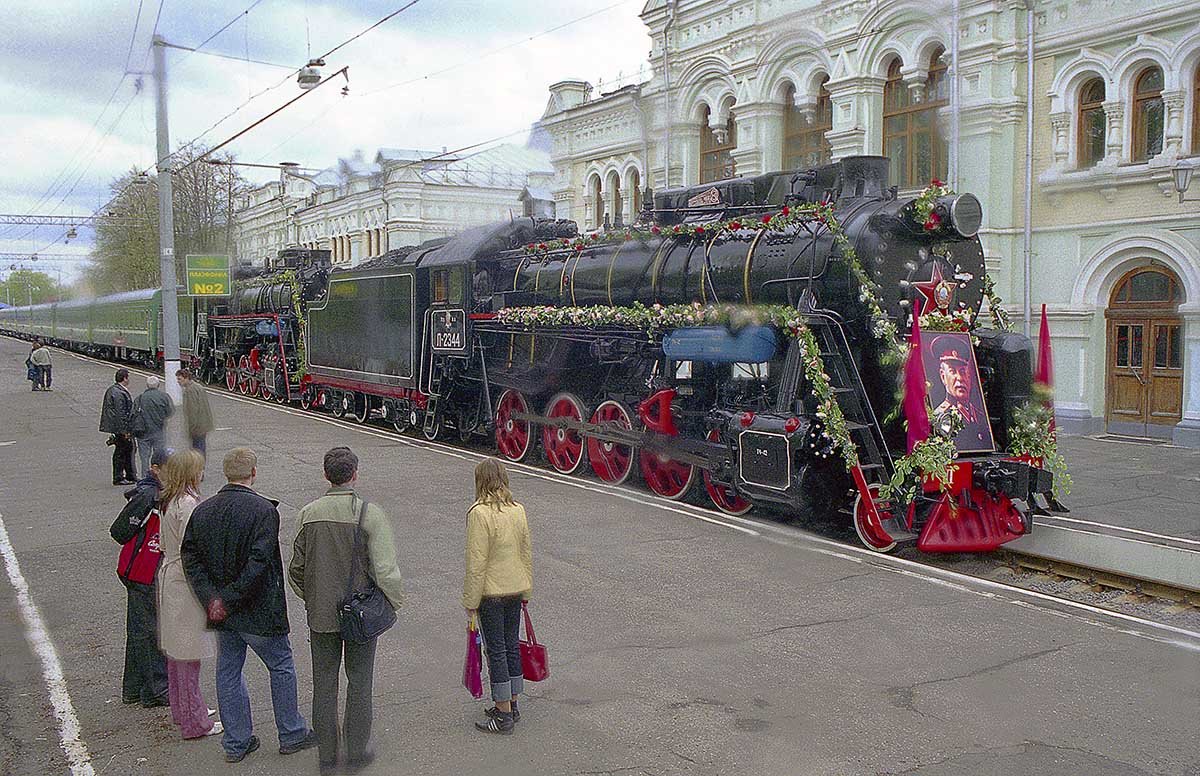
756,348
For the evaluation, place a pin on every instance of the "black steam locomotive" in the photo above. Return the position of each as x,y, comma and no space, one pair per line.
603,350
522,331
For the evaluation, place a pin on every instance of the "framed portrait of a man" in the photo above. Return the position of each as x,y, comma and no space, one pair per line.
952,381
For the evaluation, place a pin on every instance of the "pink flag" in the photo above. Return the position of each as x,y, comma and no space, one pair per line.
1045,363
1045,366
915,411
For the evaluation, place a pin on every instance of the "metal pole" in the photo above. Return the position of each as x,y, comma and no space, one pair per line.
1026,300
166,226
954,100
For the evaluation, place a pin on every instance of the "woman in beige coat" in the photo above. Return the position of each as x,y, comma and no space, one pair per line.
499,578
183,635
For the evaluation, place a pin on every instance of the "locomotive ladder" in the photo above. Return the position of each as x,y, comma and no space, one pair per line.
875,465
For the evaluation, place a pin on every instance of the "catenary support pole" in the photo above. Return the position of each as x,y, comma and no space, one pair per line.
1027,279
166,225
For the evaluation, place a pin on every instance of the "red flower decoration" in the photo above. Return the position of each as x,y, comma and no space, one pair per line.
628,237
542,246
933,222
735,225
785,211
655,230
529,247
766,219
699,231
936,182
595,235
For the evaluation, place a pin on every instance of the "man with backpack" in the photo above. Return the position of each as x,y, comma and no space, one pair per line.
151,409
136,529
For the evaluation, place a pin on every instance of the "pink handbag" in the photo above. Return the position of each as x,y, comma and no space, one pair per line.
535,663
473,662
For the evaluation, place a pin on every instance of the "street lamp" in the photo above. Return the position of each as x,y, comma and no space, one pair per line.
310,75
1183,178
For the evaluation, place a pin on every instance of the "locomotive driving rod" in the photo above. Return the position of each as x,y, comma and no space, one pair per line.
690,451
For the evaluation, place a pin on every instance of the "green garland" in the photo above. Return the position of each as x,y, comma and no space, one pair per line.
1000,317
658,318
1031,434
930,459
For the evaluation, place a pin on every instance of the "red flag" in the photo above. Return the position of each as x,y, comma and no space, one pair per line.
1044,375
915,411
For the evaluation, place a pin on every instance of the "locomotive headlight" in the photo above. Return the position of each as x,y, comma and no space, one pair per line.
949,423
966,214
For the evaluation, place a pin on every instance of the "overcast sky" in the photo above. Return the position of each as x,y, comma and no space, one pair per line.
63,141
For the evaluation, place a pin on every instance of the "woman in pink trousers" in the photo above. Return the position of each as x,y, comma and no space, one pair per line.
182,632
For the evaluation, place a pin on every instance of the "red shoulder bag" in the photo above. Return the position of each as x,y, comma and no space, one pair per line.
140,555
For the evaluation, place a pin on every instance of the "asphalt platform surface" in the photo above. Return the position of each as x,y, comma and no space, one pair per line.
679,643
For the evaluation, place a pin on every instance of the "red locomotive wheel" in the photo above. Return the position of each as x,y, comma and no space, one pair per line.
266,390
666,477
231,374
610,461
870,532
306,399
513,437
564,447
243,375
724,497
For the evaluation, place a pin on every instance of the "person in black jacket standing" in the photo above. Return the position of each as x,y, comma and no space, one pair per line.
115,417
145,676
231,558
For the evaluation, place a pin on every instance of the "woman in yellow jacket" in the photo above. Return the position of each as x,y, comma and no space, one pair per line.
499,577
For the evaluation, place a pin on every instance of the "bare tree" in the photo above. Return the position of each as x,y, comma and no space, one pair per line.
126,253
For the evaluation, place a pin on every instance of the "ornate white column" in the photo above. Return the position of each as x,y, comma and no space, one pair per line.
857,115
1173,104
914,78
1187,431
685,155
1060,127
760,138
1114,133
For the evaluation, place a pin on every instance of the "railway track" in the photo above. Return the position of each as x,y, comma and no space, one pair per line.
1170,609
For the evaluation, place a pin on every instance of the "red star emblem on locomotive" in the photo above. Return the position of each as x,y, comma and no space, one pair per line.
936,293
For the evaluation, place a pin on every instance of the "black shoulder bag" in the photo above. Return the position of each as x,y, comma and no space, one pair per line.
363,615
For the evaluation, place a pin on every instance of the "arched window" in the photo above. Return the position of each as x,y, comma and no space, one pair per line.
716,153
912,137
1148,115
597,201
615,205
804,143
1091,123
635,190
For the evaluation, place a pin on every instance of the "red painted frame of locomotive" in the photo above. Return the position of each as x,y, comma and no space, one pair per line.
418,399
965,518
287,382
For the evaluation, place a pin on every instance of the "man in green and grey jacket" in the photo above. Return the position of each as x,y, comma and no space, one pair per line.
319,571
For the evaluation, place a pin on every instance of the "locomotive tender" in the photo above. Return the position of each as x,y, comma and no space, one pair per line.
522,331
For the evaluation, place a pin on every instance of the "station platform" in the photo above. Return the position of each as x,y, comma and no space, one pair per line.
681,642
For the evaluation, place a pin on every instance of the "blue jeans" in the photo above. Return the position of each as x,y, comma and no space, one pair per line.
276,653
500,621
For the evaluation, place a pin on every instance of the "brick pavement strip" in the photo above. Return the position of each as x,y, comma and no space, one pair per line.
677,646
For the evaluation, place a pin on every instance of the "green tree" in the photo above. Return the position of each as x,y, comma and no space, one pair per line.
126,252
24,284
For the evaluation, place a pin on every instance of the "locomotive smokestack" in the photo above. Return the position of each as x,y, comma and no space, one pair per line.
863,176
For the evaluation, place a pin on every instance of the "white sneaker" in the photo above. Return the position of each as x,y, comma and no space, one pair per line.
217,729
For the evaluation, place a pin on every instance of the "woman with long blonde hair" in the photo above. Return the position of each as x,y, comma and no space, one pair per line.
182,632
499,578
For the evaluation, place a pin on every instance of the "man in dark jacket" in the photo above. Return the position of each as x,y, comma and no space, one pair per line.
151,409
115,416
145,676
231,557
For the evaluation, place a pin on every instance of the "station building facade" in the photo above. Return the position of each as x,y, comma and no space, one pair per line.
360,208
942,89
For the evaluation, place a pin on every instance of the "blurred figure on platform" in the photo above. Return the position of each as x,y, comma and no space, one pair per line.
31,371
196,411
151,409
343,544
145,675
231,557
499,578
40,357
183,635
115,416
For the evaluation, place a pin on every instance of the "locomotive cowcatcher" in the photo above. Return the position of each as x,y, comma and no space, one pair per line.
601,349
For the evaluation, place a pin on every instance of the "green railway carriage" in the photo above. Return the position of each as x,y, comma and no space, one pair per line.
126,326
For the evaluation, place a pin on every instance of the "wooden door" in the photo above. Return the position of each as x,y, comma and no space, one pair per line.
1144,375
